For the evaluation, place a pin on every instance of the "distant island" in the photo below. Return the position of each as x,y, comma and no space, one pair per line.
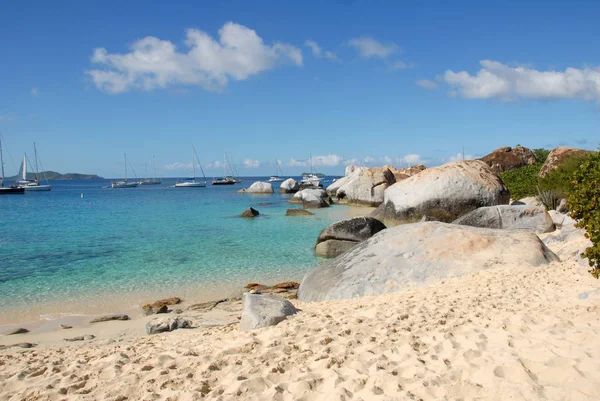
53,175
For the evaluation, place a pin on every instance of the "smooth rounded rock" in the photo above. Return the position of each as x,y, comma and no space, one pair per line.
344,235
263,311
509,217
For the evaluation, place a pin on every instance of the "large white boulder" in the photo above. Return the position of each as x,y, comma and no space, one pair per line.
288,186
413,255
264,310
259,187
513,217
311,198
351,173
445,193
368,187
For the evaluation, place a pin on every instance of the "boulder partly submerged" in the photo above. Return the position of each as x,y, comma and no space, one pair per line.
311,198
509,217
259,187
344,235
250,212
264,310
289,186
445,193
414,255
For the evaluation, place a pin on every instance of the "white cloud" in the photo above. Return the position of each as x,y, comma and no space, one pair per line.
497,80
328,161
399,65
293,163
459,156
351,162
318,52
34,92
5,118
178,166
369,47
427,83
215,164
154,63
409,160
249,163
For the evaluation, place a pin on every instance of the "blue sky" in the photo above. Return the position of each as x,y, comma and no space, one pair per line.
369,82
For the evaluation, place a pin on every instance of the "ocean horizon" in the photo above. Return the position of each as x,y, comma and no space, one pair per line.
86,249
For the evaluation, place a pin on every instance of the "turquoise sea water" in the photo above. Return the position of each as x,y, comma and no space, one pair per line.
63,253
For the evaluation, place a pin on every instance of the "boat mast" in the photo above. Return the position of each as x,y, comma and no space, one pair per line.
1,163
37,171
194,162
154,162
224,165
125,166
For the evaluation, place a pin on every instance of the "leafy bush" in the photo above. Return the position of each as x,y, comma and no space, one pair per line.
541,155
522,182
557,184
584,202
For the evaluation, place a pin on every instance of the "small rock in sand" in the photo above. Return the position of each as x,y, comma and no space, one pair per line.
86,337
18,330
65,327
162,324
109,318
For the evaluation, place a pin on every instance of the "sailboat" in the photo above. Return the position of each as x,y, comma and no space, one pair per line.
278,173
124,183
13,189
312,178
31,185
191,182
154,180
226,179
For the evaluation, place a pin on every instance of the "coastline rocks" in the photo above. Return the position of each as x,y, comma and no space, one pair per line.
445,193
368,187
258,187
558,157
351,173
343,235
288,186
250,212
287,289
263,311
527,218
160,306
17,330
297,212
311,198
414,255
108,318
403,173
507,158
163,324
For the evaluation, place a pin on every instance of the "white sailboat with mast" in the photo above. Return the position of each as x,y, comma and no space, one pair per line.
13,189
27,184
312,178
226,179
124,183
278,173
153,180
191,182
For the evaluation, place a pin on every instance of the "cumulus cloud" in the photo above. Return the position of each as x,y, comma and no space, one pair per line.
249,163
178,166
427,83
152,63
215,164
459,156
318,52
500,81
328,160
368,47
410,160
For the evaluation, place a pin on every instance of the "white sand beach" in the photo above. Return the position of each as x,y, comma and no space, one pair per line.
507,333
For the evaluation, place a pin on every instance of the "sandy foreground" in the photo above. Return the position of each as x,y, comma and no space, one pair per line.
508,333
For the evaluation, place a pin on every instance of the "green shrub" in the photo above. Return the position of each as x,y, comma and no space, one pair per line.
541,155
584,202
522,182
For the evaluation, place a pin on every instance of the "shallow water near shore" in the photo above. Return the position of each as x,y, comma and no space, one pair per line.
116,248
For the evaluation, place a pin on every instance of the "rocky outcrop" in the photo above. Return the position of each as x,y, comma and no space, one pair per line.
289,186
507,158
163,324
351,173
445,193
297,212
160,306
263,311
414,255
258,187
286,290
404,173
526,218
108,318
367,188
344,235
311,198
558,157
250,212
